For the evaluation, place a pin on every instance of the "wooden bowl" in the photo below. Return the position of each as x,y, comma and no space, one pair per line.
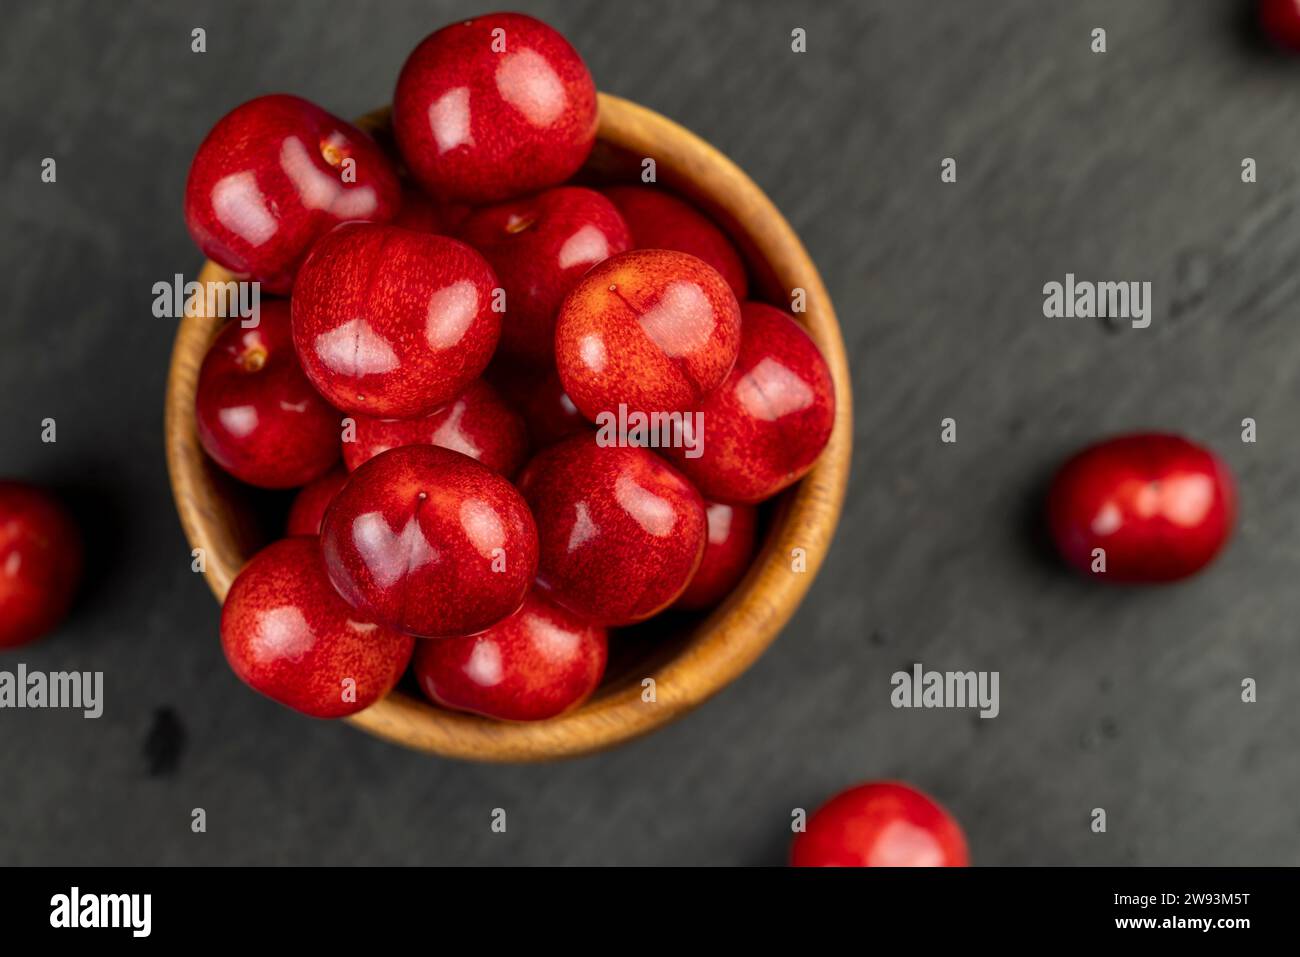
704,655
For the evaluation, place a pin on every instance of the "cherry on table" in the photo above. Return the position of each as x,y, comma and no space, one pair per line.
880,824
41,557
1146,507
1280,21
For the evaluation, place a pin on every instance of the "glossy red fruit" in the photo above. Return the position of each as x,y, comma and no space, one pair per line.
393,323
651,329
276,174
881,824
287,634
40,562
1159,506
257,415
621,532
539,662
478,423
430,542
660,220
537,394
1280,20
309,505
539,247
494,107
728,549
766,425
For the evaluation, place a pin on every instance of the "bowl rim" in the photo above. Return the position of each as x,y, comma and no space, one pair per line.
725,643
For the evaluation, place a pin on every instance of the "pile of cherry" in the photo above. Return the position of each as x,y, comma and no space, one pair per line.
459,320
444,328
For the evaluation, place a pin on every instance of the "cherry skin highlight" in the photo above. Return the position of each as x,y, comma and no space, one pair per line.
288,635
492,108
881,824
273,176
659,220
540,662
309,505
478,423
765,426
257,415
539,247
652,329
393,323
621,532
430,542
728,549
1160,507
41,557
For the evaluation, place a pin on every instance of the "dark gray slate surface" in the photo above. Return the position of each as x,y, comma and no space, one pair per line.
1120,166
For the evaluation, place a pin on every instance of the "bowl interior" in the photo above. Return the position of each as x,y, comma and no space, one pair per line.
687,658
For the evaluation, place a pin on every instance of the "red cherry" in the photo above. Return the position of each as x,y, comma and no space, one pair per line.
539,247
881,824
1280,20
40,563
620,531
288,635
733,529
478,423
257,415
1159,506
430,542
659,220
537,394
492,108
539,662
393,323
765,426
273,176
651,329
309,505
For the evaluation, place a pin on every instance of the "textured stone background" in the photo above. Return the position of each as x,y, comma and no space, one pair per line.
1122,166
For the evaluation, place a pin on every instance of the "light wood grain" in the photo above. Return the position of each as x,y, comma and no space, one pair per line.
216,517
